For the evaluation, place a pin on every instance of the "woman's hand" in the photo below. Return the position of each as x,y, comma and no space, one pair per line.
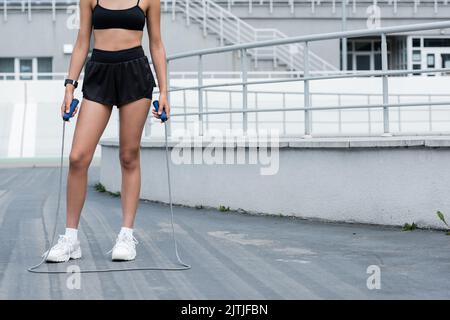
163,106
68,97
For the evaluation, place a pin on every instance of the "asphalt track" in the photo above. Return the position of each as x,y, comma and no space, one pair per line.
233,255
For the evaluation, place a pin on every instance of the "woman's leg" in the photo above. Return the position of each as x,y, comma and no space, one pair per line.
132,120
92,120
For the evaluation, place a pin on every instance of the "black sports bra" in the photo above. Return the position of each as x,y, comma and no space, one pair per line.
132,18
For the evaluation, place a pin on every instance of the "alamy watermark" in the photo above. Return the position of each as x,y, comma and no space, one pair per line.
73,281
374,280
231,147
73,20
374,17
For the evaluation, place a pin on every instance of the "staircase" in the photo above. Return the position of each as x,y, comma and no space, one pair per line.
230,29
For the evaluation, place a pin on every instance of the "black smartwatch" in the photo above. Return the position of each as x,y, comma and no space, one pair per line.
72,82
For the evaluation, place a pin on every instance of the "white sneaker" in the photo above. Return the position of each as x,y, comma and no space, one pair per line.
64,250
125,248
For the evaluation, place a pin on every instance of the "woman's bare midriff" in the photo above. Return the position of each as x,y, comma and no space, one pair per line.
117,39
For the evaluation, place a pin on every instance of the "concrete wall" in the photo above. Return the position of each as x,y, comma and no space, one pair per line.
387,181
42,37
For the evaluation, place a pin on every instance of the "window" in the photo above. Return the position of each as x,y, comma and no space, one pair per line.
363,62
416,67
416,42
377,46
366,54
416,56
377,61
349,45
7,66
430,60
26,69
349,62
445,60
436,42
44,65
363,46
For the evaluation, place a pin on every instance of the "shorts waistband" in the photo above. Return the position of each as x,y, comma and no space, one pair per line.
106,56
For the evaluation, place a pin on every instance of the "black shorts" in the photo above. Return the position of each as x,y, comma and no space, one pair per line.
118,77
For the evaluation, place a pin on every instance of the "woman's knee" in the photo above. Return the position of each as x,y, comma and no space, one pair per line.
79,159
129,158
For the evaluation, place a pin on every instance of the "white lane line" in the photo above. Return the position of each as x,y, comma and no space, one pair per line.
15,132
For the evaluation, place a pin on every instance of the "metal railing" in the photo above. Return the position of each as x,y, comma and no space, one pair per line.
366,117
27,5
313,4
266,74
233,30
269,74
307,107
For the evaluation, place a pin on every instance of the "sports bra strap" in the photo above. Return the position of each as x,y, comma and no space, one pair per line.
136,3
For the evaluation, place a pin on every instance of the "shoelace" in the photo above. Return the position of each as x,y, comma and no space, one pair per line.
63,243
128,240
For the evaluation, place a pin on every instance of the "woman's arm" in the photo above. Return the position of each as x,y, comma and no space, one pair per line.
158,53
79,53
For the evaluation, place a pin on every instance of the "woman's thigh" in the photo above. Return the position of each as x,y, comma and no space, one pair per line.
132,120
92,120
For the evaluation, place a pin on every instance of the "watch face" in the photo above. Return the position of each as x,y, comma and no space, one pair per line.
74,83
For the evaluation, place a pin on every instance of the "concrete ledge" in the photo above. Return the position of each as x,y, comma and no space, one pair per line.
372,142
328,143
203,142
388,181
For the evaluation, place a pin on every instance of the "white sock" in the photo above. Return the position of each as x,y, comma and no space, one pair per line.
72,233
126,231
